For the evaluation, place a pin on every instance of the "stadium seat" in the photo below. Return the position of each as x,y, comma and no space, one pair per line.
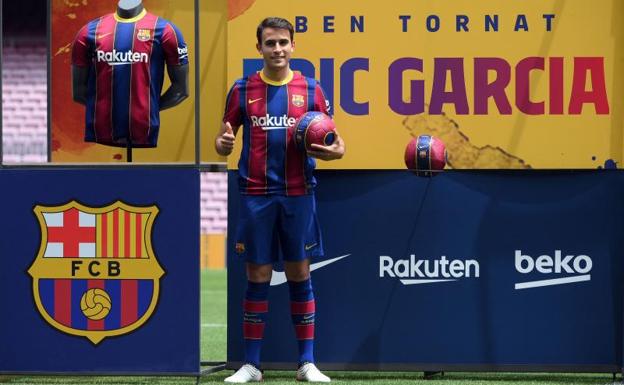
24,107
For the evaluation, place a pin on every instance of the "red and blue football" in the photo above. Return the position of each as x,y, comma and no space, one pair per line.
425,155
314,127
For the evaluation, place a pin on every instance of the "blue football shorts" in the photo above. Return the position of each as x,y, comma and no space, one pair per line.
270,224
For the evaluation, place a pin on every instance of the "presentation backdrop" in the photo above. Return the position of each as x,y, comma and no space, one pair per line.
176,141
100,271
463,271
213,85
516,84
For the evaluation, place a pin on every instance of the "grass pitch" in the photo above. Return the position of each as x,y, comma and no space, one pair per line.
213,348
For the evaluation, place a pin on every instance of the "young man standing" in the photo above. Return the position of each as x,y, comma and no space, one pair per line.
278,209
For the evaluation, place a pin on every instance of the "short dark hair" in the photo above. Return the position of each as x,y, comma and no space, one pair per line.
274,22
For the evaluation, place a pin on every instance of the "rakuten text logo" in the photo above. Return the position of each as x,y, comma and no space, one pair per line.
269,122
414,271
121,58
578,265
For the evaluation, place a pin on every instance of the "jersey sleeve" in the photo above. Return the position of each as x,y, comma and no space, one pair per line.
233,112
174,46
81,48
321,103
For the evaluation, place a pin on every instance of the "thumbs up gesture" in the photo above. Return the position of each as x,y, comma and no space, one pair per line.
224,143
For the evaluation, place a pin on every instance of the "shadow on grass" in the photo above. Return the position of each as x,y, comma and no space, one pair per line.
95,380
288,377
472,377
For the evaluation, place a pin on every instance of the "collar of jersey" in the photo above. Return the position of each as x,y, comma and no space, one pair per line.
268,81
132,19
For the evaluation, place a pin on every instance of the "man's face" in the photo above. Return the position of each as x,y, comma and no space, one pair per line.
276,48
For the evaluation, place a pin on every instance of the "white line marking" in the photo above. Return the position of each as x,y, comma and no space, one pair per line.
551,282
274,128
421,281
213,325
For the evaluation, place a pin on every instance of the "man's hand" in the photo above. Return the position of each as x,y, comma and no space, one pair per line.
224,143
335,151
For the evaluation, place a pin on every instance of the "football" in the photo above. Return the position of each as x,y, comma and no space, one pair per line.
425,155
314,127
95,304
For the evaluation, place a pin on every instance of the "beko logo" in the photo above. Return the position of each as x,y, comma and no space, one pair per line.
414,271
577,265
183,52
119,58
269,122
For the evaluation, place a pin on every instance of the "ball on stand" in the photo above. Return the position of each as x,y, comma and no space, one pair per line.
425,155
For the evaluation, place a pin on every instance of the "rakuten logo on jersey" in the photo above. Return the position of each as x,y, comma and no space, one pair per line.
269,122
577,265
121,58
414,271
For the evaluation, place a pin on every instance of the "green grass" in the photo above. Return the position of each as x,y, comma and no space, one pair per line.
283,378
213,315
213,348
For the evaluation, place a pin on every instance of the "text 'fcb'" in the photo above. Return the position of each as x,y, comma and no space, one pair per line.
96,268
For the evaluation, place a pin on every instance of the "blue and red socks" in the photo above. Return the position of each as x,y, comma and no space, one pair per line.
302,310
255,309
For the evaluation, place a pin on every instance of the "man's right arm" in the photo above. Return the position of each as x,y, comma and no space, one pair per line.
224,143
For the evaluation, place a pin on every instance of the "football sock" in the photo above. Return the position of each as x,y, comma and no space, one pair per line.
255,309
302,310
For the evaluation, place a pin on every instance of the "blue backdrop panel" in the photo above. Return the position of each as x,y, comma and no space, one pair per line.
169,341
510,270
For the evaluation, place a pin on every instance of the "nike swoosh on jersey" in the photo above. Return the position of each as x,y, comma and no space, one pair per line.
252,101
279,277
308,247
103,35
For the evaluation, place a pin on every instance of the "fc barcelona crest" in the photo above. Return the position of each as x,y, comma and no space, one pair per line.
96,274
144,34
297,100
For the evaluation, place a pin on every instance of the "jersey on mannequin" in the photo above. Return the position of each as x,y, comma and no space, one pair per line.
118,63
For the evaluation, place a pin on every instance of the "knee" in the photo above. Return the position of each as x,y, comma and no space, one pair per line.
297,272
299,276
259,273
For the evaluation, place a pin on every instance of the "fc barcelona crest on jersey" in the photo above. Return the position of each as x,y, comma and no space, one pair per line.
96,274
144,34
297,100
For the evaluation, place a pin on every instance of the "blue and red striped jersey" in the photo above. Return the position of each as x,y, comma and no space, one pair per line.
270,162
126,60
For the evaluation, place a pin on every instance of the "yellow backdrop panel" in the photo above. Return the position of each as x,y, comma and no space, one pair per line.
213,73
576,120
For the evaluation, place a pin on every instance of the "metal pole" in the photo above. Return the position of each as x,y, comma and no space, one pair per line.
197,88
49,89
1,72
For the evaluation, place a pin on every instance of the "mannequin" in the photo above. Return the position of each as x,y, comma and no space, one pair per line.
178,74
128,9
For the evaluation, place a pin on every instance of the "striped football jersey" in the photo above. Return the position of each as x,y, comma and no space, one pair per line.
270,162
126,60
